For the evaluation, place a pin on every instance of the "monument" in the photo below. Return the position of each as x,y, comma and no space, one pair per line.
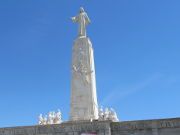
83,84
85,117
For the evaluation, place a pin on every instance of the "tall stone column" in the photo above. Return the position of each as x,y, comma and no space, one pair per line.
83,84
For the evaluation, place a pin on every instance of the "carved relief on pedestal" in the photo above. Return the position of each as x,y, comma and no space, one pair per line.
81,65
82,71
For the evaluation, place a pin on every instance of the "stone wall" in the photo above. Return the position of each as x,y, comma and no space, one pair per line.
145,127
69,128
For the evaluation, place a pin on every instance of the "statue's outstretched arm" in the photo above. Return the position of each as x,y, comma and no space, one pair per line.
74,19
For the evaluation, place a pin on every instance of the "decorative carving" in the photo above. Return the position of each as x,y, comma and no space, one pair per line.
83,71
53,118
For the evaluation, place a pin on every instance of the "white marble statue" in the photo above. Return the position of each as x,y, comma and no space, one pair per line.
41,120
83,21
101,113
45,120
111,114
52,118
107,114
57,118
114,116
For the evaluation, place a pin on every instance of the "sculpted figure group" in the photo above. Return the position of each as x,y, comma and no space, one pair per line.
107,114
52,118
56,117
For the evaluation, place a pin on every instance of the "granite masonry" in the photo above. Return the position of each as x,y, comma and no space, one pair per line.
142,127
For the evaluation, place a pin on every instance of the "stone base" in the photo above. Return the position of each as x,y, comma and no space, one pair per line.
145,127
83,83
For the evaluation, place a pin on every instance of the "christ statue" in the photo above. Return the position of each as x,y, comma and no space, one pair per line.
83,21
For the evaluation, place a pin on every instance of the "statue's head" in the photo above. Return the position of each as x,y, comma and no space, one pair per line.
81,9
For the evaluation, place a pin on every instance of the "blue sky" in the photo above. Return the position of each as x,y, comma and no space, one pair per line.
137,56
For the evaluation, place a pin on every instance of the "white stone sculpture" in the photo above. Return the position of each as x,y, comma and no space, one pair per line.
53,118
45,120
111,114
50,118
107,114
101,113
114,116
41,120
57,117
83,83
83,21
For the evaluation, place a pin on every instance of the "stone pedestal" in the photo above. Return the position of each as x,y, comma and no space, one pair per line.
83,84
